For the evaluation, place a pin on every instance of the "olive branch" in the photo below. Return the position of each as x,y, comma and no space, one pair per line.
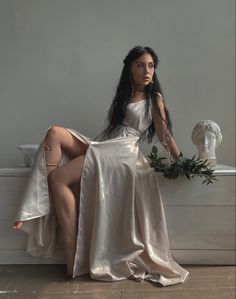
182,166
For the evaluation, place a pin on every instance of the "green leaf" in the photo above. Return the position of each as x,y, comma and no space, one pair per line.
182,166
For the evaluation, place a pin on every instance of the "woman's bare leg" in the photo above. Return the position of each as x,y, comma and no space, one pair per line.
66,206
60,180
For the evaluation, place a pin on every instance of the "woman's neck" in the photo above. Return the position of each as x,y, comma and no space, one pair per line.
137,95
137,88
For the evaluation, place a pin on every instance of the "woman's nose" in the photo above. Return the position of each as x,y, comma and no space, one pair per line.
146,69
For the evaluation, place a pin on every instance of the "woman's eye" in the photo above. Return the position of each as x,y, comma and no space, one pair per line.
141,65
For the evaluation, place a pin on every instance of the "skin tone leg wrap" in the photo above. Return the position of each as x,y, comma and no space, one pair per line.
48,149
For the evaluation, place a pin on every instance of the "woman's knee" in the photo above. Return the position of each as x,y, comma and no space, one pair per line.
72,146
53,133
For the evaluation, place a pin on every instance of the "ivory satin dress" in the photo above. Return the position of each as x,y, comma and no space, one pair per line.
122,229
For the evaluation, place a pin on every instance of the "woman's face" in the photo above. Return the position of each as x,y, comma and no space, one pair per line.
142,70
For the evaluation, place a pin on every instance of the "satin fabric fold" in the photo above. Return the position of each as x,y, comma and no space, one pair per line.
121,223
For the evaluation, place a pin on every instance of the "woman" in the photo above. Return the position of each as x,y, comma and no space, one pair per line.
117,229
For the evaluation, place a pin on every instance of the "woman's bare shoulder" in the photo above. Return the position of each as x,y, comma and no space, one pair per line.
159,99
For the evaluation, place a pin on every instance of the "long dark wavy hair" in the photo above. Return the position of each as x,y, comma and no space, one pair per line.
122,97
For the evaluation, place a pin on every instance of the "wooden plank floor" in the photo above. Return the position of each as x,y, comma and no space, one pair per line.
49,282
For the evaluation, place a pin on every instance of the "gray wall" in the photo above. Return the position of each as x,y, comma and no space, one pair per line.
60,62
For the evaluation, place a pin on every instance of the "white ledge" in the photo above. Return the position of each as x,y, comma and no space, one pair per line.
22,171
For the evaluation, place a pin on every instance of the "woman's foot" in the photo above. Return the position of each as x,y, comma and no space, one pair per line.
68,272
18,224
69,269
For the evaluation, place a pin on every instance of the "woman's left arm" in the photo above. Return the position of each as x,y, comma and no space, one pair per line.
162,131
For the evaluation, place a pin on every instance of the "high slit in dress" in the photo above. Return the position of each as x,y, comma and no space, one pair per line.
122,229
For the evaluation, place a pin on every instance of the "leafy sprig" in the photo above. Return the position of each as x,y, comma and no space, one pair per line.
182,166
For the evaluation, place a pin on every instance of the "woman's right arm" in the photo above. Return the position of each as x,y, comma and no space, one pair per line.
162,130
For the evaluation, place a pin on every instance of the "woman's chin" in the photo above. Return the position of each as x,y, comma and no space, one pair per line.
144,84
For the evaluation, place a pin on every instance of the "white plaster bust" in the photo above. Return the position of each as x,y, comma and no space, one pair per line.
206,135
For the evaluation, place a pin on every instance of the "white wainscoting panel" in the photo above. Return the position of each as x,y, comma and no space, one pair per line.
200,219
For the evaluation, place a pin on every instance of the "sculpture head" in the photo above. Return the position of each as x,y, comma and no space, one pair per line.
206,135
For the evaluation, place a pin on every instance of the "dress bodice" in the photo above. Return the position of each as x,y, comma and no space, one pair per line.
137,119
137,116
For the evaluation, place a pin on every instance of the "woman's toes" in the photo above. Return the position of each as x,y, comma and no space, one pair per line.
18,224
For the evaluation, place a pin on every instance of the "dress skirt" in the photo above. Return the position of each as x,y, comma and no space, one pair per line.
122,229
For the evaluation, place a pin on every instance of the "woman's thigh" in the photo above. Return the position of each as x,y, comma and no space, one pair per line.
69,143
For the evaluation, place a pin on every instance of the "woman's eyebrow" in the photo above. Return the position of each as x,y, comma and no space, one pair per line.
144,62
